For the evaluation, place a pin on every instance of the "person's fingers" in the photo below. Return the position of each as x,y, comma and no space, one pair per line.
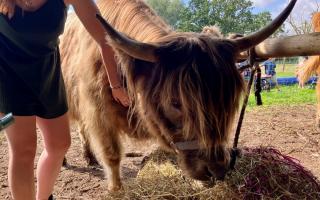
125,100
5,10
125,103
1,6
11,11
120,95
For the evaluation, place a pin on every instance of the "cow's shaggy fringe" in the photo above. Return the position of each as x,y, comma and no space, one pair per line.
261,173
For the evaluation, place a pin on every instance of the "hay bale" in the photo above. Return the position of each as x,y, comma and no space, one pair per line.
261,173
265,173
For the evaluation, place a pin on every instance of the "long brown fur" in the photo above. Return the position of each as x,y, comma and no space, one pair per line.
192,93
312,65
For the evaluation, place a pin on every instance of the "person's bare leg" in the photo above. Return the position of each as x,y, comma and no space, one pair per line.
277,85
22,142
56,136
275,80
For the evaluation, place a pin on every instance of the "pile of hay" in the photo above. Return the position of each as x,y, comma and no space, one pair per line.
261,173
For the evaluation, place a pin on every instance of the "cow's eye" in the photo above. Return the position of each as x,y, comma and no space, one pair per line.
176,104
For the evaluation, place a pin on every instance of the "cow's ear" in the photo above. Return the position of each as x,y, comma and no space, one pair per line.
141,68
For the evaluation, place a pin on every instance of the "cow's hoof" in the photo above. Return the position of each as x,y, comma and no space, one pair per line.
92,162
94,165
114,187
65,163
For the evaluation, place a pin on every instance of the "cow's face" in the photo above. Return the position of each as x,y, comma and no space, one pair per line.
190,95
204,167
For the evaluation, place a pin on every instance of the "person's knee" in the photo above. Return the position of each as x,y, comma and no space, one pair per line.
24,155
59,145
67,144
64,144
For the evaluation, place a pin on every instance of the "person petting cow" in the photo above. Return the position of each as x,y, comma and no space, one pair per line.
32,87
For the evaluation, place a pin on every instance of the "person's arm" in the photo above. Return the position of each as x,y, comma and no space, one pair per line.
86,10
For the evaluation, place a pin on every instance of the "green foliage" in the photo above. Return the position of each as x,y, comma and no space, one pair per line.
230,15
169,10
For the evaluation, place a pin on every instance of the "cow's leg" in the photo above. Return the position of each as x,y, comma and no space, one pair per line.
107,148
65,162
318,104
87,153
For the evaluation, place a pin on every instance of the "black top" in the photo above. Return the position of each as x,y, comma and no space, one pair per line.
30,76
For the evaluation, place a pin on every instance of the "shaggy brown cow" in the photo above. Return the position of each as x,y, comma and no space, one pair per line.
311,66
185,88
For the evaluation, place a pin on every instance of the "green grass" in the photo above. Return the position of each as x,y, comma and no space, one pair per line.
289,95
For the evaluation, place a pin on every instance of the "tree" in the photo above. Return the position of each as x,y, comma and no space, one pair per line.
230,15
168,10
300,24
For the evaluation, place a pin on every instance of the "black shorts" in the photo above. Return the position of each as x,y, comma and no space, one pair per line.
34,87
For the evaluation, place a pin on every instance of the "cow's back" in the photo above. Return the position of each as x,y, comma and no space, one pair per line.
89,95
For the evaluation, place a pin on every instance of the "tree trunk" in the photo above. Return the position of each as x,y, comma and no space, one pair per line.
299,45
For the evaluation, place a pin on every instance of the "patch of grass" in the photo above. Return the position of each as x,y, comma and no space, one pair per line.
289,95
287,71
285,74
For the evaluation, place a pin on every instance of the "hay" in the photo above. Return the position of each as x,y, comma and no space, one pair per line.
261,173
265,173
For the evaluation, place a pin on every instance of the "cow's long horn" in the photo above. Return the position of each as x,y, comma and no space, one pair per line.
257,37
133,48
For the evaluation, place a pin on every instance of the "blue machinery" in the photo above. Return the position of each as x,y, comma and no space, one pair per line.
6,121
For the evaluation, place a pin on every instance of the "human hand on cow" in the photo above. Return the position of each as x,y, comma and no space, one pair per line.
7,7
121,96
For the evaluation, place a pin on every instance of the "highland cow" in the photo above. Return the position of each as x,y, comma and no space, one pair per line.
184,87
312,66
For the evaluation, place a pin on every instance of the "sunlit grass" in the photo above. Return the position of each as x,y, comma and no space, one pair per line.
286,71
289,95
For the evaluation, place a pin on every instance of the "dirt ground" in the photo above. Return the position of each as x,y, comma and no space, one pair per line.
289,129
